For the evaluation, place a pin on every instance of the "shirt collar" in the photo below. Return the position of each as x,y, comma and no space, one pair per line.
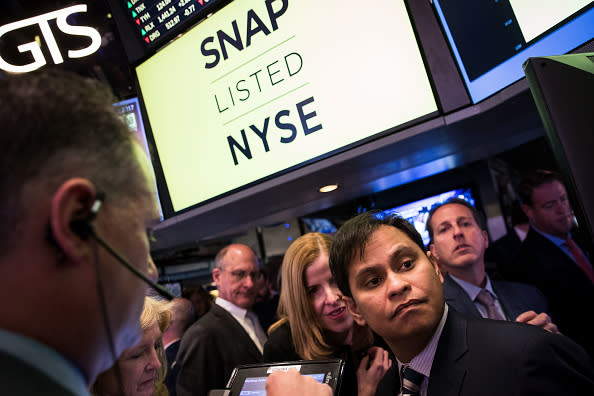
473,290
44,359
232,308
423,361
557,241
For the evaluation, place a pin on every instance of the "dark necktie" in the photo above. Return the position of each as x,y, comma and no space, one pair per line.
411,381
580,259
487,301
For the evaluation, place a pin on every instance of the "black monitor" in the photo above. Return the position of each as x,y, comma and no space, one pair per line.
491,39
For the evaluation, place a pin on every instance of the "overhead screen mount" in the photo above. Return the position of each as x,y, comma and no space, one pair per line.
562,88
265,86
491,39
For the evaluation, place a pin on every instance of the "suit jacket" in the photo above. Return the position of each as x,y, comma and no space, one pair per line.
210,349
568,290
19,378
495,357
503,251
172,370
515,298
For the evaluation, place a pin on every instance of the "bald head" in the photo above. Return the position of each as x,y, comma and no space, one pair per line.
235,275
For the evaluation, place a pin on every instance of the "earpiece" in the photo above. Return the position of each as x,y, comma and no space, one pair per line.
82,227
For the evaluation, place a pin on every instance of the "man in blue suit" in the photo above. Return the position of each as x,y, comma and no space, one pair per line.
458,243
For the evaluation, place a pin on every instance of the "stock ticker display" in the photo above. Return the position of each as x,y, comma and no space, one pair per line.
154,19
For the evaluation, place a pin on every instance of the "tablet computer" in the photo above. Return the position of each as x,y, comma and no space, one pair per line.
250,380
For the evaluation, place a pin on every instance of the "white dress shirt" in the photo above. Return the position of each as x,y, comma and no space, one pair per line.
423,361
251,326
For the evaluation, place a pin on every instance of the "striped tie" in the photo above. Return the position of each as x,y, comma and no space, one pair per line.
411,381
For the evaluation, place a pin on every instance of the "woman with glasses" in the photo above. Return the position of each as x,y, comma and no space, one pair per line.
315,323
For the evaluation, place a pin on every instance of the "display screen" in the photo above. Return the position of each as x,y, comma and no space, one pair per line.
491,39
250,380
129,110
263,86
256,386
153,20
417,212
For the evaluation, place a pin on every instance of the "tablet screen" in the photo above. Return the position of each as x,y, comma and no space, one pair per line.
250,380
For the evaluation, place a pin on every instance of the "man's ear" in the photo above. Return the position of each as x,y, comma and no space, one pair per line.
352,307
435,264
432,253
486,238
216,275
72,201
528,211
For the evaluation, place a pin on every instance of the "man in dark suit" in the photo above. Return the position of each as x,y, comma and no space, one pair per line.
65,154
394,287
458,244
552,260
182,316
229,335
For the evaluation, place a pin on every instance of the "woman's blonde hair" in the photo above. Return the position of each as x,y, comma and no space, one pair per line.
154,311
294,303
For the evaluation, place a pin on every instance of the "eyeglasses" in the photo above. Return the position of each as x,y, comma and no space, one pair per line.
240,275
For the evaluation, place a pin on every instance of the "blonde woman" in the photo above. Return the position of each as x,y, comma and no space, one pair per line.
141,368
315,323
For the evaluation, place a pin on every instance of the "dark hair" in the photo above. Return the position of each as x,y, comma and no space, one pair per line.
478,217
534,179
57,125
354,235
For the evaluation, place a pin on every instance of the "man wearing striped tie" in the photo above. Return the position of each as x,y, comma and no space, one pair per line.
393,286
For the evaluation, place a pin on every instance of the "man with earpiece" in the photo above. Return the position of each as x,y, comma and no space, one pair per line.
76,211
70,172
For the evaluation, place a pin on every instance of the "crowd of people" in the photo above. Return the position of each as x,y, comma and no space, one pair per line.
407,319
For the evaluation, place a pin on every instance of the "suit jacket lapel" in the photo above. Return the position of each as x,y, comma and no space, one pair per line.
510,303
447,374
457,298
241,337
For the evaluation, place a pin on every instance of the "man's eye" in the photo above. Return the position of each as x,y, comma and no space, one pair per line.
408,264
373,282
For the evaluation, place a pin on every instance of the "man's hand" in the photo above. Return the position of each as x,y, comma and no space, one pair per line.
291,383
541,320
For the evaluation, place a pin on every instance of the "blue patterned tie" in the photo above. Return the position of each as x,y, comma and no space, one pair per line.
411,381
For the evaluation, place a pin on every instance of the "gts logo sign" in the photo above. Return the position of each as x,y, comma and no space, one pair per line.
32,47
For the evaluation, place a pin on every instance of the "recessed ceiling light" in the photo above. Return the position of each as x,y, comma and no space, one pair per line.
328,188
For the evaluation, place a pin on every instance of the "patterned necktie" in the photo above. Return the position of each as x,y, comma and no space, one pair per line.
487,301
580,259
411,381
